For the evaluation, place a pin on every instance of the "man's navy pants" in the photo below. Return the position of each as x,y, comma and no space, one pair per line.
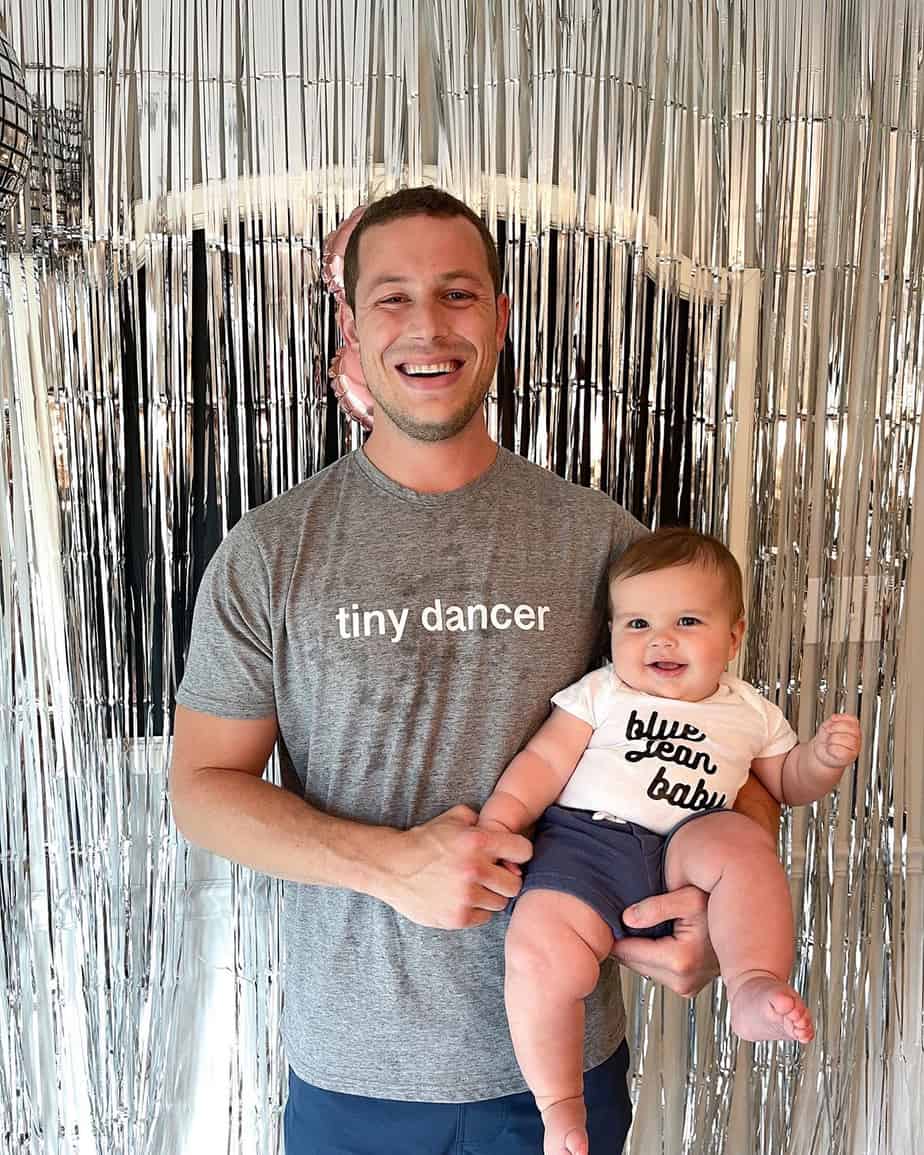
329,1123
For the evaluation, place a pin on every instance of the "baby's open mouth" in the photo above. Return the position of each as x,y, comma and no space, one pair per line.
432,371
668,667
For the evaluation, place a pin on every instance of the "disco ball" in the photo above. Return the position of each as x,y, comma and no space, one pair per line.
15,134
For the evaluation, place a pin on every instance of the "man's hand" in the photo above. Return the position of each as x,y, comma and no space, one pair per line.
496,824
684,961
445,873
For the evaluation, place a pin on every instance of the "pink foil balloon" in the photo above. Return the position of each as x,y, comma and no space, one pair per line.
350,387
345,371
335,244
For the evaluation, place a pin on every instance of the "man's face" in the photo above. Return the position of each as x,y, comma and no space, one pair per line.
426,323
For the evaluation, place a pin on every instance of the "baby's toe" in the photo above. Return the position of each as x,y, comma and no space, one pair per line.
804,1029
784,1003
798,1022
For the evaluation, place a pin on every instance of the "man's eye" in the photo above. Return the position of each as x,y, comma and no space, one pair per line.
458,295
637,624
395,299
688,620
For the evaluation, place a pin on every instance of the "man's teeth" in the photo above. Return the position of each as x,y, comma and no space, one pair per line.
430,370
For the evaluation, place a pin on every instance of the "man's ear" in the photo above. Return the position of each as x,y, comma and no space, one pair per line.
347,323
503,316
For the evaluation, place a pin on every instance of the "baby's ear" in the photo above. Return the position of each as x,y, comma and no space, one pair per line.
737,634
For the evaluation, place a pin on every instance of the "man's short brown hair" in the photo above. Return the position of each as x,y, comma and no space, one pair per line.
414,202
677,545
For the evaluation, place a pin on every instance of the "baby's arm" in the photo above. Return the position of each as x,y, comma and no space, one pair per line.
812,768
537,775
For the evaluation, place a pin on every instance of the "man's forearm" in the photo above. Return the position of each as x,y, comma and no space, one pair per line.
254,823
757,803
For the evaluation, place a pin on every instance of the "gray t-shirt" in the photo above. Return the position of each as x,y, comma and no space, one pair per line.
408,645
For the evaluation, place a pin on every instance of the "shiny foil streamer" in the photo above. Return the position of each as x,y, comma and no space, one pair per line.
709,222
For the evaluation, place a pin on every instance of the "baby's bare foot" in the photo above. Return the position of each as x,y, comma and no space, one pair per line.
766,1008
565,1127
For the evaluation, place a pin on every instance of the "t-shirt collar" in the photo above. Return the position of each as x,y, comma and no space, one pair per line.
382,481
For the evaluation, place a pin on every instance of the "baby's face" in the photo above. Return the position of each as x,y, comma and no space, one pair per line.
672,632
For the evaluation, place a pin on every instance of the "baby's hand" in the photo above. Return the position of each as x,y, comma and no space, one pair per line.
837,742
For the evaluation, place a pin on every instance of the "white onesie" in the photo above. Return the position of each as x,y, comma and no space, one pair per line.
656,761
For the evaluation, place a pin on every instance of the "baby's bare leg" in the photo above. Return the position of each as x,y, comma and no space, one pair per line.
750,920
554,947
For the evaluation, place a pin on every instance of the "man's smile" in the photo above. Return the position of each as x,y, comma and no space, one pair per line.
427,370
428,374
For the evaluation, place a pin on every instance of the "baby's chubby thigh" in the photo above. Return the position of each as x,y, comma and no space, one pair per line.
711,847
555,944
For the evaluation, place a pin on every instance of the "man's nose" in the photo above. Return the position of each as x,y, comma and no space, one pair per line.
427,319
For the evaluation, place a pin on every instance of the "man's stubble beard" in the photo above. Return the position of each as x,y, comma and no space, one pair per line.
431,431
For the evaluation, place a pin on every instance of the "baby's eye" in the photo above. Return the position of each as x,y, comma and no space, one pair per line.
637,624
689,620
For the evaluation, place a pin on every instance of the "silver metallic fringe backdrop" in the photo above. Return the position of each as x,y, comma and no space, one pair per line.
710,222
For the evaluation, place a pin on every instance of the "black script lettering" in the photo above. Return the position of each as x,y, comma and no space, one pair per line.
699,761
673,752
660,788
658,728
634,728
704,800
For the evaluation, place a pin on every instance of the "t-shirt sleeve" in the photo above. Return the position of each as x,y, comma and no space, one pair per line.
780,735
584,699
626,530
229,666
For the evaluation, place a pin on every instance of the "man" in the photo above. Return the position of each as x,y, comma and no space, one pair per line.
398,623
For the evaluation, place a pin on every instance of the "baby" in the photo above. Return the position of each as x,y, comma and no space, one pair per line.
643,760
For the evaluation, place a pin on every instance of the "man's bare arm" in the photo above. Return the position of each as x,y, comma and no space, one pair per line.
756,801
441,873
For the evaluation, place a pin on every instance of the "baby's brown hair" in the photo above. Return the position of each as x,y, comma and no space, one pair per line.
677,545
